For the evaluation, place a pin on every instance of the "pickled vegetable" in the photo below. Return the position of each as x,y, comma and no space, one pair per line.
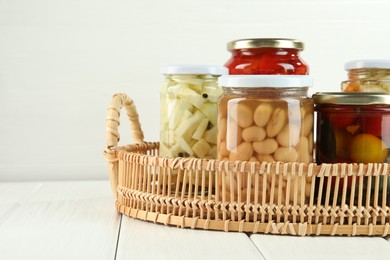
266,61
352,128
266,56
353,133
374,80
367,148
189,116
265,125
367,76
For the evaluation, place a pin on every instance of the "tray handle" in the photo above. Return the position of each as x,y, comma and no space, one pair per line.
119,101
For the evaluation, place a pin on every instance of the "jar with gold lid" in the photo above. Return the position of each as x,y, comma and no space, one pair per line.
266,56
352,127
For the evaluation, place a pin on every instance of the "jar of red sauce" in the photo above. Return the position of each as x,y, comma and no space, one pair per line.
266,56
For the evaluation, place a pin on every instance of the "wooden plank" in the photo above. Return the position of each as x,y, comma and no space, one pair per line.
12,195
288,247
61,220
146,240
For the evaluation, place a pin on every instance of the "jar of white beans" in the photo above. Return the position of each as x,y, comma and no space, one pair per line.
265,118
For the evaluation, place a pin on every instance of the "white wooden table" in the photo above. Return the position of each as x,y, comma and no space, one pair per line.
77,220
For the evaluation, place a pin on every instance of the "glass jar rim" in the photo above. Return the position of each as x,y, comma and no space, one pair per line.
264,43
351,98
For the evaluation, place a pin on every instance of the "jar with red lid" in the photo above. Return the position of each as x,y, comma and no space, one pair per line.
266,56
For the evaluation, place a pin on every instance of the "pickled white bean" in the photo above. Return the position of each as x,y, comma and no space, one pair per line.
307,125
243,152
262,114
253,134
277,121
241,114
267,146
289,135
265,158
286,154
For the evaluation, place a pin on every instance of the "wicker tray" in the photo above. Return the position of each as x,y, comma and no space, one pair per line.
275,198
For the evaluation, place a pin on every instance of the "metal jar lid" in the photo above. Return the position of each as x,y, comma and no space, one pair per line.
265,43
351,98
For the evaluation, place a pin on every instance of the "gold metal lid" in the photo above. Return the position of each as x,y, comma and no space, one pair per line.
351,98
264,43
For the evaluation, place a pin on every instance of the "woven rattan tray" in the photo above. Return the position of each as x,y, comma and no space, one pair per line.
276,198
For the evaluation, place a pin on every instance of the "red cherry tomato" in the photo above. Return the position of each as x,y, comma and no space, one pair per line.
371,124
375,121
371,120
342,117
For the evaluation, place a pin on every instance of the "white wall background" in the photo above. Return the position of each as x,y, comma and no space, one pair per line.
61,61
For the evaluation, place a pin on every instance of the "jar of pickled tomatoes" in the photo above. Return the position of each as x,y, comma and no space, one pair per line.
352,127
266,56
367,76
188,111
265,118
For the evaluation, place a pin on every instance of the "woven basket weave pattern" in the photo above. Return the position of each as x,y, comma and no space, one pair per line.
277,198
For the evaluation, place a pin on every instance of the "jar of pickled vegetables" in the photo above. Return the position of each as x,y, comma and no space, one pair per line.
265,118
367,76
188,113
352,127
266,56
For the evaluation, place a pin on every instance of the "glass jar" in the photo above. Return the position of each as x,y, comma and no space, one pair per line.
266,56
352,127
265,118
367,76
188,112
